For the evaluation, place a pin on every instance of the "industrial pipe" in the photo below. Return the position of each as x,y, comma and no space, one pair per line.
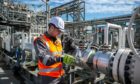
129,33
113,26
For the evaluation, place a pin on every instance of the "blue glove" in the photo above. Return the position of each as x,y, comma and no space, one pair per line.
68,59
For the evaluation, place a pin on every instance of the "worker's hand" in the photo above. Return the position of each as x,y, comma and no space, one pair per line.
68,59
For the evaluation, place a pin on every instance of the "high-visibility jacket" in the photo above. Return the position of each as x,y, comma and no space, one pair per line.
56,69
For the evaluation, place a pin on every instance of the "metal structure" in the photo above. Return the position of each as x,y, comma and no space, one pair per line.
38,25
119,64
80,28
75,9
13,15
18,18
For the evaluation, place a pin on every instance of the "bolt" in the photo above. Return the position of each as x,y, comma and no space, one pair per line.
128,61
127,68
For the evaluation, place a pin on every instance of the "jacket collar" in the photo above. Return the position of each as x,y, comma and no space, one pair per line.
50,37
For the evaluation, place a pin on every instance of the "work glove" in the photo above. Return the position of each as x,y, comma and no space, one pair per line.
68,59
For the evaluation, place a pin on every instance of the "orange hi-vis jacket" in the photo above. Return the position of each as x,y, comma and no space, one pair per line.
56,69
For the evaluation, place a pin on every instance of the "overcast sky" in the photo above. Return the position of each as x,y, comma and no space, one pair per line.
94,8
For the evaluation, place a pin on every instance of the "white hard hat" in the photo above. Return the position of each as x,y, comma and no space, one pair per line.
58,22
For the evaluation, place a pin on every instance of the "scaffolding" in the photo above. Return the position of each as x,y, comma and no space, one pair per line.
38,24
13,15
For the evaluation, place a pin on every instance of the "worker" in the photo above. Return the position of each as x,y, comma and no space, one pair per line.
49,53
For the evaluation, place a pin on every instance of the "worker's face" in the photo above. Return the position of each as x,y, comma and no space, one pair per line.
54,31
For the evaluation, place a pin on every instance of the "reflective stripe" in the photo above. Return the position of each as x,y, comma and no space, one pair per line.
47,45
56,53
49,70
44,41
45,59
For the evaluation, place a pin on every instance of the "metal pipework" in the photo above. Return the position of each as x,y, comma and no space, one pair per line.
88,55
106,31
125,31
85,60
121,66
129,35
113,64
101,61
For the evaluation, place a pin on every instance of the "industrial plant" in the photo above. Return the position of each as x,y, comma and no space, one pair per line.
103,51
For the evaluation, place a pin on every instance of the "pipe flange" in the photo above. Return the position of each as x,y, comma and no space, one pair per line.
116,64
129,69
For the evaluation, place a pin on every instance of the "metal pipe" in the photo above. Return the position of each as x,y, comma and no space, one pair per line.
101,61
47,11
129,33
106,31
